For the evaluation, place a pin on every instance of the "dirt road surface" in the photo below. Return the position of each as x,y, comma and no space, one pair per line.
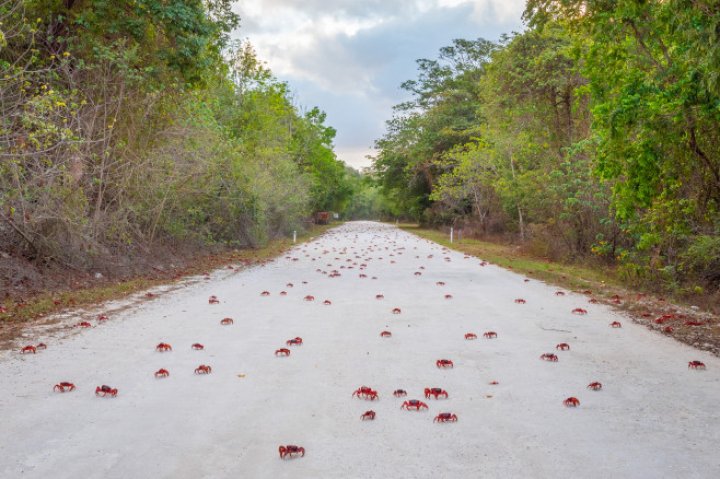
653,418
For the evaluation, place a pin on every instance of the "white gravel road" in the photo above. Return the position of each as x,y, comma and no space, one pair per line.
653,418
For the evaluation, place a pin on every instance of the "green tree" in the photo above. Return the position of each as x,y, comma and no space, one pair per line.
652,71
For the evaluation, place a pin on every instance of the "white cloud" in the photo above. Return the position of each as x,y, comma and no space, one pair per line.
355,156
349,57
499,10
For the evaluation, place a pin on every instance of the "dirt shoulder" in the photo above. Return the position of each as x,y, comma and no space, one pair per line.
685,322
61,292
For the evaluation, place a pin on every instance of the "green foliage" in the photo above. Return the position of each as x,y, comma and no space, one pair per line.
367,201
701,260
312,149
442,115
652,72
506,154
129,123
594,132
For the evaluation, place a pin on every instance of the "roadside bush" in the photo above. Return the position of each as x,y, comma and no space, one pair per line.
701,260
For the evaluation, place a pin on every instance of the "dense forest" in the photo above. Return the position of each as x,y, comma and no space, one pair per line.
132,127
128,127
594,133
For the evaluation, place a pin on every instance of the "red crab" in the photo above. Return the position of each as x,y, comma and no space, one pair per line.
102,317
367,393
64,387
520,301
593,301
162,347
493,383
309,298
289,285
386,334
563,346
197,347
282,352
162,373
396,311
369,415
490,334
445,417
616,324
664,318
413,404
418,273
105,391
84,324
440,283
694,323
290,450
435,392
571,402
549,357
444,363
696,365
28,349
470,336
40,346
379,296
362,391
213,300
559,293
265,293
595,386
580,311
296,341
362,275
448,296
283,293
327,302
399,393
203,369
227,321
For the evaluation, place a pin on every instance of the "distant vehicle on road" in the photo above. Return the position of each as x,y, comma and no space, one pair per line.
322,218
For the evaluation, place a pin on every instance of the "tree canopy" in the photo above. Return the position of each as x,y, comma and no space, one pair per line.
125,124
594,132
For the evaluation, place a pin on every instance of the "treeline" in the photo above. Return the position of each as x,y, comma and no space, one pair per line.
593,133
128,125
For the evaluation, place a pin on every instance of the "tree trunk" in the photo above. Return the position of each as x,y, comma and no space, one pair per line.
521,223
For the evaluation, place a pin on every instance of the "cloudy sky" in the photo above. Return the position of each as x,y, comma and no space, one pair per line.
348,57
